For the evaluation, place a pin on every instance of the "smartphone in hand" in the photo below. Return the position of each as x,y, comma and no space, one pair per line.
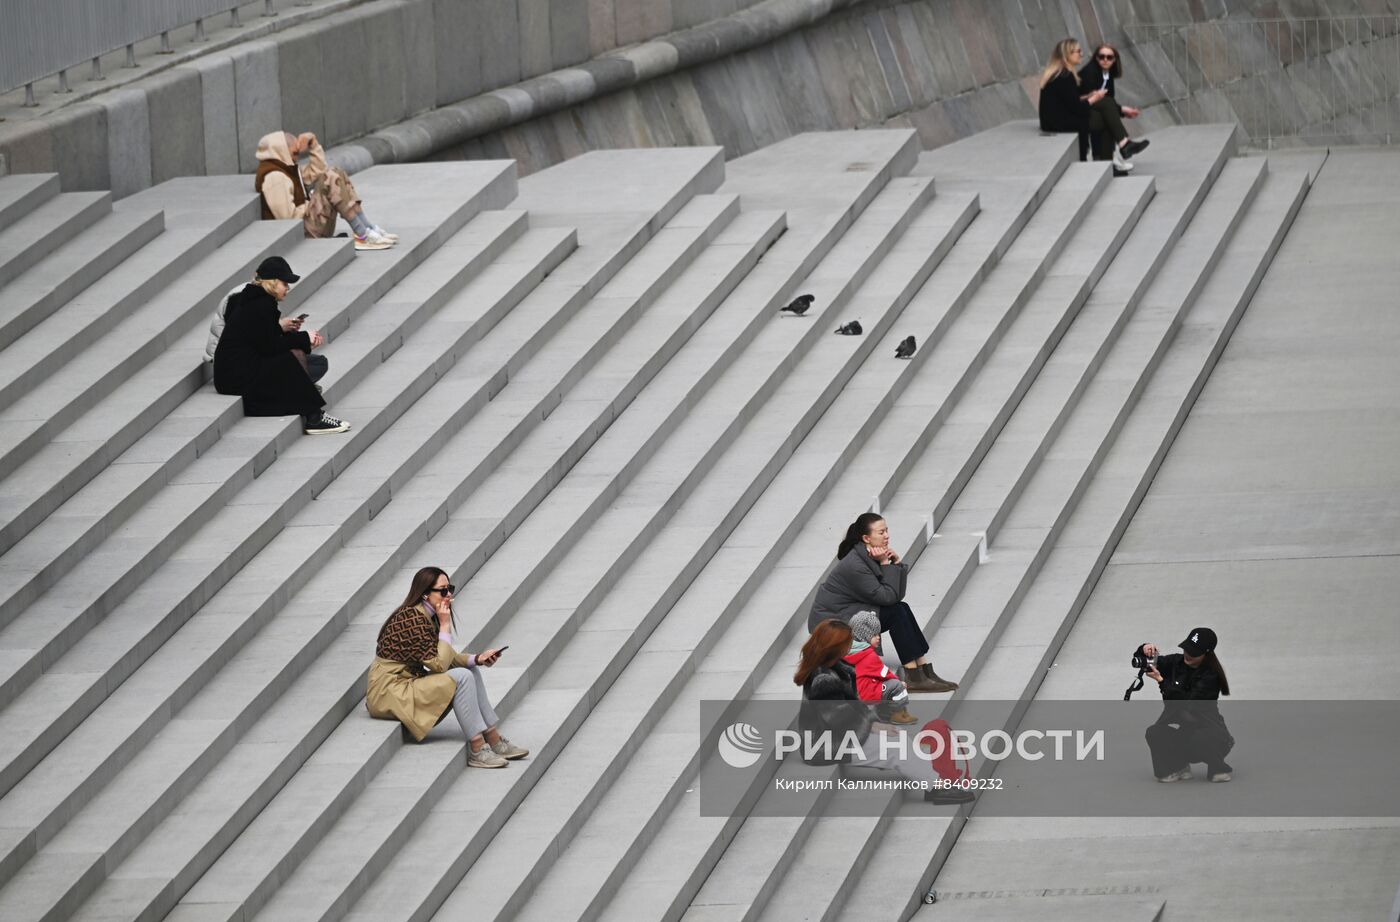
302,316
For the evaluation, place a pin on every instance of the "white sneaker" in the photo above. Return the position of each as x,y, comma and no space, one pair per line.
484,758
1220,777
1181,774
372,241
376,229
1119,162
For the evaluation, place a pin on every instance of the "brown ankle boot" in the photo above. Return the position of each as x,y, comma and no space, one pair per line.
928,672
916,681
902,716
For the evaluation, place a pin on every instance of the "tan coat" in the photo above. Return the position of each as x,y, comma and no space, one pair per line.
416,701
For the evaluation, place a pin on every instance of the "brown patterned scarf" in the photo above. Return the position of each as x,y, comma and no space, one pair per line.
408,636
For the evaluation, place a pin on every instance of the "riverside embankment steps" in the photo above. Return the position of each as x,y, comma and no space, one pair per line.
576,393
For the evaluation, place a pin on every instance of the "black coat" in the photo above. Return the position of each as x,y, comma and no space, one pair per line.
254,359
1199,685
1061,108
1091,78
857,583
832,705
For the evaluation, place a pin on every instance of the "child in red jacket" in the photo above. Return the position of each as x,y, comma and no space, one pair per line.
874,680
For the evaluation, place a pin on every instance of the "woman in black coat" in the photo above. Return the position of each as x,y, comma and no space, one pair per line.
1100,74
255,358
1068,106
869,576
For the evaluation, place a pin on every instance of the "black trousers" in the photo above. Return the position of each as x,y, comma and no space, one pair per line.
1175,748
899,622
1104,117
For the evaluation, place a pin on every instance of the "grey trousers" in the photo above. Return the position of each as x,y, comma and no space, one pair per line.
893,697
469,702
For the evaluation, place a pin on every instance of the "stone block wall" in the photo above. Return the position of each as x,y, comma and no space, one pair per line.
542,80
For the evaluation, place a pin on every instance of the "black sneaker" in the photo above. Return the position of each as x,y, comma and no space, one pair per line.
1133,148
325,426
946,796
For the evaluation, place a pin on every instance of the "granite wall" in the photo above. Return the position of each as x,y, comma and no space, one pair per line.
541,80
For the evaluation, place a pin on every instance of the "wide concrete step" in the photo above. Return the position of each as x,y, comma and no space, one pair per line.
308,808
977,611
121,323
548,634
665,668
53,223
148,422
143,620
1079,551
1001,383
72,267
163,524
325,687
622,608
173,841
674,880
21,193
52,374
81,486
132,792
760,616
1017,455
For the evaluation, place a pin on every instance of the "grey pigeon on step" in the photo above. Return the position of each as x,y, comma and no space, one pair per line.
799,305
906,348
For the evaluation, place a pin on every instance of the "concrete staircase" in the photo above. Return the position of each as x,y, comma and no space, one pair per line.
576,393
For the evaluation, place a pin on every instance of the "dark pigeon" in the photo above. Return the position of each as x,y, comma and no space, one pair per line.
800,304
853,328
906,348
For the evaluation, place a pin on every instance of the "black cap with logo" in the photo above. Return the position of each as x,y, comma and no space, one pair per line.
1200,640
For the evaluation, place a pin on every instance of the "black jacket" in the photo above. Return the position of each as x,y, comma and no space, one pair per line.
254,358
831,705
1061,108
857,583
1091,78
1189,693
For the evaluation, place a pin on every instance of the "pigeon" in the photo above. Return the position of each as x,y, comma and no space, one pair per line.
906,348
853,328
800,304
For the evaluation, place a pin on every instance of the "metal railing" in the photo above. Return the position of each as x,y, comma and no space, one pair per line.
1309,80
40,38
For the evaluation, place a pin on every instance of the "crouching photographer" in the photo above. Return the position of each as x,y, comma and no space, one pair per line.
1191,728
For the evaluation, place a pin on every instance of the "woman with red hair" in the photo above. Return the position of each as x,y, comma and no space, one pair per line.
827,678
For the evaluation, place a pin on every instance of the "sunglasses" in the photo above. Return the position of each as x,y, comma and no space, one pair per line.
445,590
1106,57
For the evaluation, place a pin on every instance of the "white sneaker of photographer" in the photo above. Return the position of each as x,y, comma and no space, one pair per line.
1220,777
1181,774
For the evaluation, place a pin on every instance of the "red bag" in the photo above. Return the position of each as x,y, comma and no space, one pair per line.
944,763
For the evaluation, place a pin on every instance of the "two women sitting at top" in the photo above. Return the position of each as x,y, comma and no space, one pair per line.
1079,99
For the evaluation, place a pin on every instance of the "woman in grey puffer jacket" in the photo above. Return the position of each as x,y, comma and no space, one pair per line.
869,576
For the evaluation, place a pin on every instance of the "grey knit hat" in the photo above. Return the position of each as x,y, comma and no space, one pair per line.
864,625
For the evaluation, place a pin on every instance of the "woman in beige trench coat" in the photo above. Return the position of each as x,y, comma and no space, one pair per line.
416,677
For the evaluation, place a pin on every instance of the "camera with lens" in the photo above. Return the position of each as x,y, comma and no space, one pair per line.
1143,664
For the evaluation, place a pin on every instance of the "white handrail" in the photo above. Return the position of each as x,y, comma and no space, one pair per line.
1302,80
